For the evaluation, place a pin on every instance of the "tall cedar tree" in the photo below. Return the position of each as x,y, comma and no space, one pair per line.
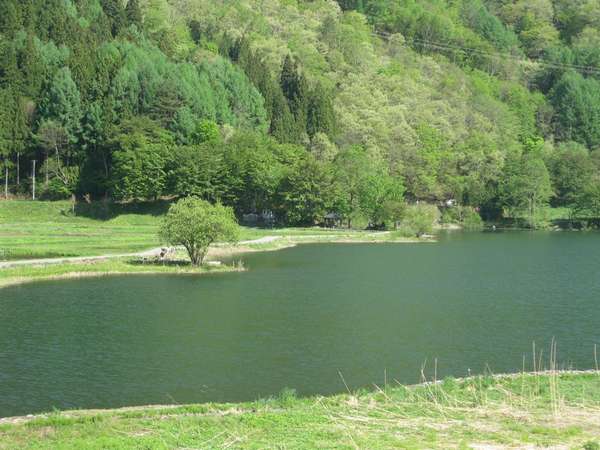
134,13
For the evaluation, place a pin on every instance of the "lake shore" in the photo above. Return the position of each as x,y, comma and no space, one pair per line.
524,410
22,272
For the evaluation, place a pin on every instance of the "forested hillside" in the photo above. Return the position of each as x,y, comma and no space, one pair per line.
305,107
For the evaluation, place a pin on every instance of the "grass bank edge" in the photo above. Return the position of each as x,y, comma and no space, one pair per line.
108,266
507,409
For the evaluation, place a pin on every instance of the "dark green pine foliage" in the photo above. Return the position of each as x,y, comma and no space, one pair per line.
116,13
282,121
10,18
295,89
357,5
134,13
9,71
320,114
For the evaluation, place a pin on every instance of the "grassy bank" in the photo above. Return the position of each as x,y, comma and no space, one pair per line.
51,229
523,411
31,230
41,230
116,266
179,264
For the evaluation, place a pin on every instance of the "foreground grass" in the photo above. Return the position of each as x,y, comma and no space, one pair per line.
524,411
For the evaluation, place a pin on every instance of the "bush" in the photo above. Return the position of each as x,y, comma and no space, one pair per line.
451,215
56,190
419,220
471,220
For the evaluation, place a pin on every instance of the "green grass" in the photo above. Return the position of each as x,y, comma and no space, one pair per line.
50,229
505,412
21,274
40,230
30,230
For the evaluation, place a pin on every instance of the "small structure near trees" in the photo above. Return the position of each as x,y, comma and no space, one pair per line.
332,220
265,219
195,224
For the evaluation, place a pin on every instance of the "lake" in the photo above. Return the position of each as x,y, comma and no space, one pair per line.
299,318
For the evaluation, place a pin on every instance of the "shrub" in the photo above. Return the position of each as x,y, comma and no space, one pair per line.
56,190
471,219
419,220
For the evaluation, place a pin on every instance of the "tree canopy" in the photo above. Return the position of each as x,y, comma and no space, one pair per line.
303,108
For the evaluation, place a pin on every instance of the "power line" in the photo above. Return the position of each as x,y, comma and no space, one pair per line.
497,55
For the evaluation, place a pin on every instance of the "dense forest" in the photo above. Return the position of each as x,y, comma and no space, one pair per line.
303,108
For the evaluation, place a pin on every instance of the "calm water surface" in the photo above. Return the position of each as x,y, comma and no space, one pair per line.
298,318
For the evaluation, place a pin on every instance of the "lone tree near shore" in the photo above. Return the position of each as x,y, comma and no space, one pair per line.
196,224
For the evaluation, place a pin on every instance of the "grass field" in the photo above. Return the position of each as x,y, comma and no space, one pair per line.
41,230
31,230
50,229
524,411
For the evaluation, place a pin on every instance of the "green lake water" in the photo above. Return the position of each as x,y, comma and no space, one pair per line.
300,317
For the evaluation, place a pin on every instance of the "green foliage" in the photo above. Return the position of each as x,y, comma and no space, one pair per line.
467,216
576,101
571,171
471,220
303,196
526,187
440,97
198,170
134,13
418,220
139,161
196,224
587,202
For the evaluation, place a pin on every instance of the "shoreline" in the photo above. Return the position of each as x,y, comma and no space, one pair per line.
529,410
374,389
18,281
72,266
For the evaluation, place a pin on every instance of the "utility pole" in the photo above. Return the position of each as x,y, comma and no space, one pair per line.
34,179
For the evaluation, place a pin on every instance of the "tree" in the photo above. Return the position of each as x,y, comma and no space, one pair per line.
116,14
321,116
196,224
380,193
134,13
63,104
576,101
140,156
295,89
526,186
304,193
206,131
418,220
198,170
587,202
571,171
52,136
139,170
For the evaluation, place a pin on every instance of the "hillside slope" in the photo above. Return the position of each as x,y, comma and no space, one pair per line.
305,107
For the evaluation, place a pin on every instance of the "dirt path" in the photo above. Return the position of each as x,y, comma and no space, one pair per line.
78,259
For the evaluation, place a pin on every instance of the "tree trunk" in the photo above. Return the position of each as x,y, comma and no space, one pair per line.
47,158
6,182
18,169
